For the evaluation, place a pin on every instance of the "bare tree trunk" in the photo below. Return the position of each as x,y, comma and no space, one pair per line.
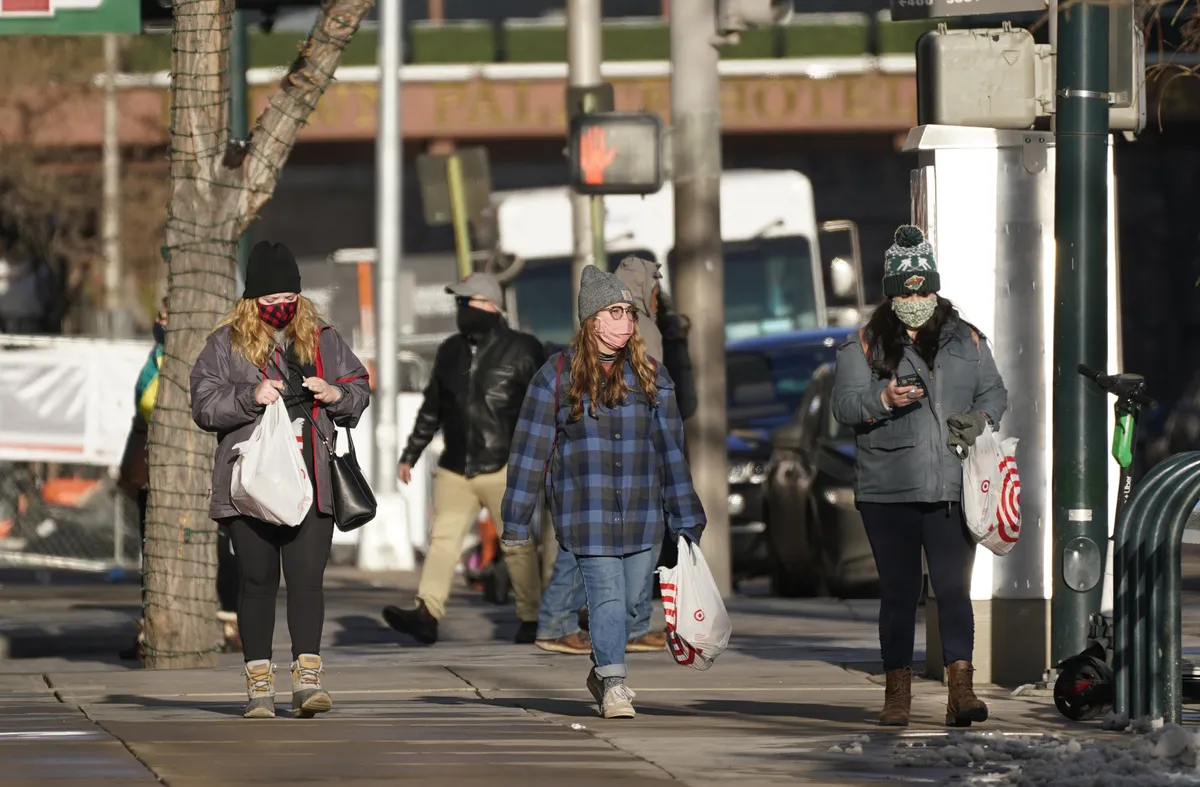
215,192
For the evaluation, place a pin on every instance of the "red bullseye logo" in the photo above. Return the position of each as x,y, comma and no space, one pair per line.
699,616
1009,511
985,486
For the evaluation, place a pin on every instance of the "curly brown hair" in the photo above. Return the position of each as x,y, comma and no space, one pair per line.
587,372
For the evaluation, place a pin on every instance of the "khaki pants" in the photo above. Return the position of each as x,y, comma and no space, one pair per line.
457,501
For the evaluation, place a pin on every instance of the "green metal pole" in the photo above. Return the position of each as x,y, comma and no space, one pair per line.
1080,324
239,114
458,215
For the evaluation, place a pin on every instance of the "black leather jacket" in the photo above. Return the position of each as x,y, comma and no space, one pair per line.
474,396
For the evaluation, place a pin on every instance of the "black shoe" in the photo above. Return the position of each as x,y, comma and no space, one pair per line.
527,633
416,623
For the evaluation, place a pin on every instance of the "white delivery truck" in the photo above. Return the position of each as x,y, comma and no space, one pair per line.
775,280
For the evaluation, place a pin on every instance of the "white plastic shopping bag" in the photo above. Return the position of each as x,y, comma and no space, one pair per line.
992,492
270,481
698,627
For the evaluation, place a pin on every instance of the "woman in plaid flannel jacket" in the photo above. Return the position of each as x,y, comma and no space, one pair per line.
601,426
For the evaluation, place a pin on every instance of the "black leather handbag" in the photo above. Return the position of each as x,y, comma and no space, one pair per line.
354,503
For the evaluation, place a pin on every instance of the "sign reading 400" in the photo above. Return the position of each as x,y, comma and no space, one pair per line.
931,9
69,17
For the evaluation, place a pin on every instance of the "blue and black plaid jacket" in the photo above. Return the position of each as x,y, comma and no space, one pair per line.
613,481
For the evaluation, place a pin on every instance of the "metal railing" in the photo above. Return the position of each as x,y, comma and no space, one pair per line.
72,522
1147,590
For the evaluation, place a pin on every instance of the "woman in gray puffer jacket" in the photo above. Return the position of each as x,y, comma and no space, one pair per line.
914,384
272,345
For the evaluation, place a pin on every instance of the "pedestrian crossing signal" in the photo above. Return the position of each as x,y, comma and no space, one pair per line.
616,153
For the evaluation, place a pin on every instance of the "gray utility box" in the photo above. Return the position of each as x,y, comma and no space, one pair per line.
981,78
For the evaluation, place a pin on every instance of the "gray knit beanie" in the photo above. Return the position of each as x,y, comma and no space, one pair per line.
599,290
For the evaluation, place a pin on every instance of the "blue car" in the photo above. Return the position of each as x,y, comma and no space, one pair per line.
766,381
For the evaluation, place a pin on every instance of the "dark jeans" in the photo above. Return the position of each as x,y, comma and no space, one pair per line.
304,551
897,532
227,569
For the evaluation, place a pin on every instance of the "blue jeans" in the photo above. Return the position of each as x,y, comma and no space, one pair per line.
613,586
564,597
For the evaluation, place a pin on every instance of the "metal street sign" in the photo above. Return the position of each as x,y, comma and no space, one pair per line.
69,17
933,9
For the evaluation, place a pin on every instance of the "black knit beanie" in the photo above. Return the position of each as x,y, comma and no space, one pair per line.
272,268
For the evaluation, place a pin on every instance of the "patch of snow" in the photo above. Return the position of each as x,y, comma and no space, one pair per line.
1167,755
1115,721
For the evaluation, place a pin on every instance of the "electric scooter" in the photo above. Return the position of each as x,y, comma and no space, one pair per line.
1084,688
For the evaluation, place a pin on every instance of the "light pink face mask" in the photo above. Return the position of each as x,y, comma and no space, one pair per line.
614,333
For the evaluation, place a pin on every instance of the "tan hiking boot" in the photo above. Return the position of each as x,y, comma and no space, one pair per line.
308,698
653,642
577,644
260,690
962,706
897,698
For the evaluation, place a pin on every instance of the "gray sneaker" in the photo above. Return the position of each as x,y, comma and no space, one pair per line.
308,698
614,698
260,690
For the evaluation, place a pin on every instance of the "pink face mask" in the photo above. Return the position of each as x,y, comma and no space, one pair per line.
614,333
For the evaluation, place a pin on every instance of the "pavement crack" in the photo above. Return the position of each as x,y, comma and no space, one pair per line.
58,696
474,688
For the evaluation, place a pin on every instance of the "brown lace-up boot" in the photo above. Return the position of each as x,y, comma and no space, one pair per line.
963,707
897,698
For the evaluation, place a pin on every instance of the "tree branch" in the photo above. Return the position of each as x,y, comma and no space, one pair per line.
310,75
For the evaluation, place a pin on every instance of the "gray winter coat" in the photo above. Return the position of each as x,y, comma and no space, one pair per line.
902,456
223,384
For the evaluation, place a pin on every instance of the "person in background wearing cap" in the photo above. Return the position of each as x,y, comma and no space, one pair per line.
601,427
559,619
479,378
916,383
135,481
275,344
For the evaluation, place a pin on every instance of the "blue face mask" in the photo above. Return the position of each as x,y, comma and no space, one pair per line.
160,334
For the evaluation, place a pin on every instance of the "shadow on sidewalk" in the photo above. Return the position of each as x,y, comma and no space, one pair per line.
764,713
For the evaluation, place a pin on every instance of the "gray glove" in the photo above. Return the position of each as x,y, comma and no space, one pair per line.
964,429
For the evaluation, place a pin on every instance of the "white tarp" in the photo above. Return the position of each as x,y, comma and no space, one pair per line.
68,402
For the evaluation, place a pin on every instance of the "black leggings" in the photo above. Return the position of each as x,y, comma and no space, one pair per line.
305,551
897,532
227,569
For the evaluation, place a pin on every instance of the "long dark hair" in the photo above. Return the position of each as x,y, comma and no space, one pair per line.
887,337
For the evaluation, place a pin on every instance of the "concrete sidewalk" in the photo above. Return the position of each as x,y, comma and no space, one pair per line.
472,710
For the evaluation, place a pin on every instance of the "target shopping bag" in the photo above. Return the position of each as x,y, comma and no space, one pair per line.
698,627
992,492
269,479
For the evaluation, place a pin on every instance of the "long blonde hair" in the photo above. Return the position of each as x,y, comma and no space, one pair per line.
587,372
254,339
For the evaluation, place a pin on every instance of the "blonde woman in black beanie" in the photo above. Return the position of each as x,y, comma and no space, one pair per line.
275,344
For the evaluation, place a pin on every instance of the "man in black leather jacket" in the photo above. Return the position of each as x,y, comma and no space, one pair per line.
474,396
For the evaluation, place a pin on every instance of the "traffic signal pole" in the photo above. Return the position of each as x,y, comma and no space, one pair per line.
699,266
583,70
1080,501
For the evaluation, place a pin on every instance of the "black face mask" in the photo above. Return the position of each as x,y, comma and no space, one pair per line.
160,333
476,322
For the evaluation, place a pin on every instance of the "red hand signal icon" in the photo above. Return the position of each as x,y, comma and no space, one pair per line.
595,155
